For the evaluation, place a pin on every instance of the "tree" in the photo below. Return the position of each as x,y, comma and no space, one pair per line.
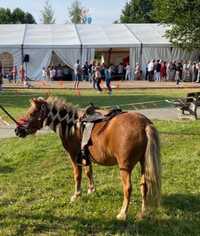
29,19
184,18
5,16
137,11
75,12
16,17
48,14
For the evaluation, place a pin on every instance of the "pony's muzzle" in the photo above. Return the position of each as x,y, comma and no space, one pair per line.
21,132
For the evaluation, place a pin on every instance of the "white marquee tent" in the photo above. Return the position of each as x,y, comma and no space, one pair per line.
11,41
71,42
41,40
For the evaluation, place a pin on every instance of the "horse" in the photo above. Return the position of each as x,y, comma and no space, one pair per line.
125,140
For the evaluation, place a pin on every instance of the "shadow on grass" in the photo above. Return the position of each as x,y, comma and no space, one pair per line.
186,223
6,169
182,202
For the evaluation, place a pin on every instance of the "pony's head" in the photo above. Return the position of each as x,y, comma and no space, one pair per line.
34,118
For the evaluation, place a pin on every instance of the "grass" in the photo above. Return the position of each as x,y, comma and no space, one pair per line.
36,180
17,101
36,183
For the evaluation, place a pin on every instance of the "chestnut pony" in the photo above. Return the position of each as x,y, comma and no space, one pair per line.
125,140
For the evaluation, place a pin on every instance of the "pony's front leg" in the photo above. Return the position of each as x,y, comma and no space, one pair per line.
89,174
77,178
127,188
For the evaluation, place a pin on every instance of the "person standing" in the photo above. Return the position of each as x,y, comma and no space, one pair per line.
120,71
198,75
137,72
194,72
157,69
44,73
163,71
22,74
108,78
151,70
77,74
86,71
14,73
98,77
128,72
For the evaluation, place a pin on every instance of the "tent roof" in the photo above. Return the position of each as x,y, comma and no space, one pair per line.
11,35
89,36
51,35
106,36
150,35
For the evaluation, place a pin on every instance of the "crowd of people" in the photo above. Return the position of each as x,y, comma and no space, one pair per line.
98,73
158,70
95,73
58,72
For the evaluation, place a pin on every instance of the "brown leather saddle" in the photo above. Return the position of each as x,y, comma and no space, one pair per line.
93,116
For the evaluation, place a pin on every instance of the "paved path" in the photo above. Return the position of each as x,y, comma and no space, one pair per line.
115,84
157,113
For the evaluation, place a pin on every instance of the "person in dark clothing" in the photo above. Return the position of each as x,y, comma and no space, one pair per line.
108,78
157,70
86,71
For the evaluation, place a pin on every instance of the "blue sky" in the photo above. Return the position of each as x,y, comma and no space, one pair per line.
102,11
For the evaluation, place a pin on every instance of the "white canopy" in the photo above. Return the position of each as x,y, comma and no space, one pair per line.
71,42
150,35
11,40
50,36
41,40
107,36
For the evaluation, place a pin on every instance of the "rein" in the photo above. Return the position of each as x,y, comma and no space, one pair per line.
9,115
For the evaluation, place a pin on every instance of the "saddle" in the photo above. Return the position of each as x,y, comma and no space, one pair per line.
88,120
93,116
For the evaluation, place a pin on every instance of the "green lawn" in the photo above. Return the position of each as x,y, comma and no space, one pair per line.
36,179
36,183
18,101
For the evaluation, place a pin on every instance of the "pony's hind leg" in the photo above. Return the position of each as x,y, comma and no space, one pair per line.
143,190
127,188
89,174
77,178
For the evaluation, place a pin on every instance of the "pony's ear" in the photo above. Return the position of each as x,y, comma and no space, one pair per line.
37,100
33,100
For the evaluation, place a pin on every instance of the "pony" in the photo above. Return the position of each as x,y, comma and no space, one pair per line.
125,140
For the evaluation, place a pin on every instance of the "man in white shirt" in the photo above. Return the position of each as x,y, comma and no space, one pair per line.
128,72
77,74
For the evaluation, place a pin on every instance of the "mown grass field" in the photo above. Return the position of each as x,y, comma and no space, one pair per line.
17,101
36,180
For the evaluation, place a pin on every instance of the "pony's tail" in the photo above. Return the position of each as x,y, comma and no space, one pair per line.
152,167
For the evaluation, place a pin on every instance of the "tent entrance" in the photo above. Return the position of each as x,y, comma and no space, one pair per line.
113,56
63,71
117,57
6,61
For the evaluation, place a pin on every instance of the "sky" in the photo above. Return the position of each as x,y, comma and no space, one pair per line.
102,11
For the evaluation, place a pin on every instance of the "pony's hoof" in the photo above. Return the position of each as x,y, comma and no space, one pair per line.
121,217
90,190
74,198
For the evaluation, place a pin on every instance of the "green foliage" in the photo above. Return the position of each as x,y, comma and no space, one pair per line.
47,14
18,16
5,16
184,18
137,11
75,12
